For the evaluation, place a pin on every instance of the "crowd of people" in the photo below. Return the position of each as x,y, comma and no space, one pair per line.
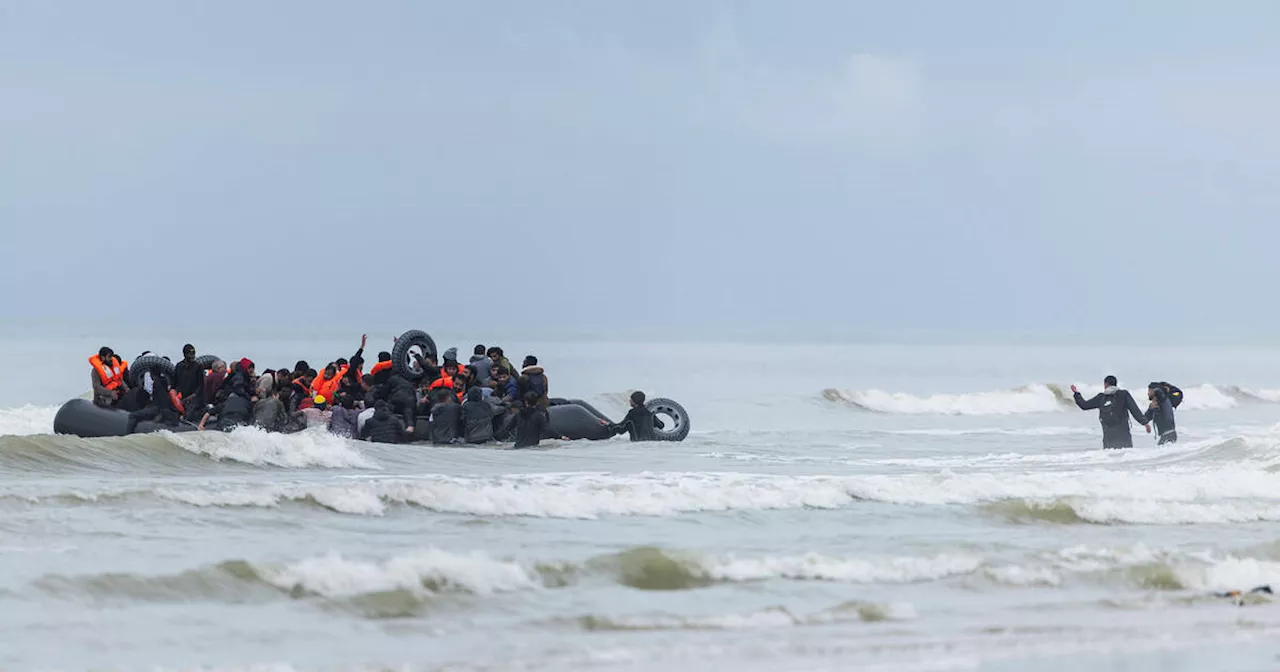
483,401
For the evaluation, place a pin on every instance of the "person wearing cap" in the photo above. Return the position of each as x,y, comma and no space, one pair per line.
188,377
318,413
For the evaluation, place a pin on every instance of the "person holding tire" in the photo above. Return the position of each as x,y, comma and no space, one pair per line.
640,421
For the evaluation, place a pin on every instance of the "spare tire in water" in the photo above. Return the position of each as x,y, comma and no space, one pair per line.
151,364
676,420
402,361
205,362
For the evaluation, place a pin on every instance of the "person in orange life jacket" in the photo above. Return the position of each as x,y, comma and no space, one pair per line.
451,355
164,405
108,376
382,370
326,384
534,379
302,397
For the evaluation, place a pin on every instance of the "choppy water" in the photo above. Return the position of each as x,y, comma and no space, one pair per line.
836,507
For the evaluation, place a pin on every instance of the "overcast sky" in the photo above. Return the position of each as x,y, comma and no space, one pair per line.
675,164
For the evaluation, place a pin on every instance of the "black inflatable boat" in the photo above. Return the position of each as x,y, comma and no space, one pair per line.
572,418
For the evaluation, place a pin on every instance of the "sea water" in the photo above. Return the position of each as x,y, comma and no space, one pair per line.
836,507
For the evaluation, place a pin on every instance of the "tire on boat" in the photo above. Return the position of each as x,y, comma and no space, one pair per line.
148,364
205,362
676,420
402,361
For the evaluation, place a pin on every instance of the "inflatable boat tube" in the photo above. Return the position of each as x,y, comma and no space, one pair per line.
81,418
402,361
577,421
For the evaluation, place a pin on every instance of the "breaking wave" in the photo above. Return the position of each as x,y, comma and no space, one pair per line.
1034,398
404,584
146,452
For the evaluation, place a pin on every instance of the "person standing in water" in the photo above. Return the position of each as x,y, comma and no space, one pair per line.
1112,404
1161,412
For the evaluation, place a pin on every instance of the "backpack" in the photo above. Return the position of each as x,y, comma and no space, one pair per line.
1112,411
1175,395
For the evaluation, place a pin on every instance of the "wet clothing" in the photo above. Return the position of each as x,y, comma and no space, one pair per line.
1113,404
188,378
271,414
640,423
531,426
239,383
477,418
160,407
345,422
446,422
401,397
234,411
1162,415
384,427
102,395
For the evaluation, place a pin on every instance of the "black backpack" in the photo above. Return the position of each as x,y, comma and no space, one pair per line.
1112,410
1172,392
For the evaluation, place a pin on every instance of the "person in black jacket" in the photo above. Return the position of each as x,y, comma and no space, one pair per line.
446,418
383,427
532,421
188,377
477,417
233,411
401,399
159,406
640,422
1160,411
1113,404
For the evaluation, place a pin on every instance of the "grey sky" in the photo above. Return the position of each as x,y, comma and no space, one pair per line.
914,165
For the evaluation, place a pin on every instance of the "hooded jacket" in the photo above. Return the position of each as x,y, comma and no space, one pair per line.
483,367
345,421
534,379
446,421
477,417
1113,404
531,426
384,427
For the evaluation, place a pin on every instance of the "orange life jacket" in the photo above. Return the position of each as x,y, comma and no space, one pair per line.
328,388
445,381
177,400
379,368
306,401
113,377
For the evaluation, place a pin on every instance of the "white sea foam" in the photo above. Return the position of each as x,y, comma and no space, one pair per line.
1029,399
314,447
428,571
27,420
814,566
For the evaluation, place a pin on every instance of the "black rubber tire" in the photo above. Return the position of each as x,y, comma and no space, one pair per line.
150,363
205,362
674,411
401,361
